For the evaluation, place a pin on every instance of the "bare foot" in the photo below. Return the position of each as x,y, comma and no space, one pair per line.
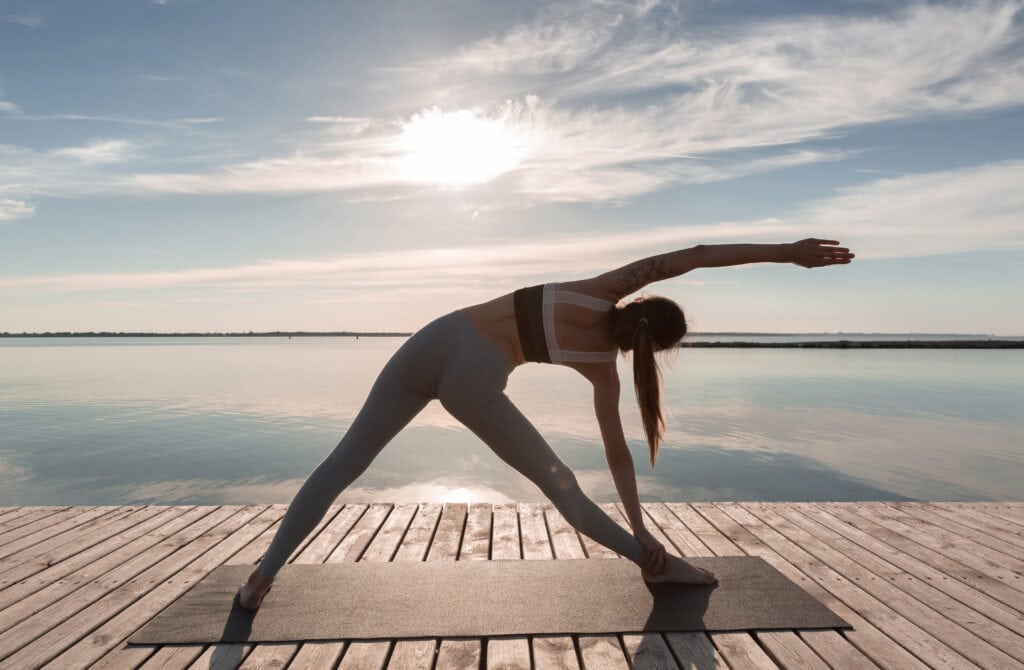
681,572
250,595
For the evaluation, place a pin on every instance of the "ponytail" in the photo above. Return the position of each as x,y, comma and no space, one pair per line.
647,382
644,327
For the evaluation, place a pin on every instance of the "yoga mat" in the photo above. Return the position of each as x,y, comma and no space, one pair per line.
482,599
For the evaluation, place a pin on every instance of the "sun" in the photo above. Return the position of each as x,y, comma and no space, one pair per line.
457,148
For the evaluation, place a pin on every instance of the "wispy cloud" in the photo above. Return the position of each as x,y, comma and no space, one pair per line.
27,20
615,99
759,87
881,219
13,209
98,152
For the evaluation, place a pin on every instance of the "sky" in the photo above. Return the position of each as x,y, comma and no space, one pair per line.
201,165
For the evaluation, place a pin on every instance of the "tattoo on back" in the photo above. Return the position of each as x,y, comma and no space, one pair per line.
635,276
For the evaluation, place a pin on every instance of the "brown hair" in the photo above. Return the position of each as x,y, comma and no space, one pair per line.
646,326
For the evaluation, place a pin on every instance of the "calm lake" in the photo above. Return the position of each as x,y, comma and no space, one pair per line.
111,421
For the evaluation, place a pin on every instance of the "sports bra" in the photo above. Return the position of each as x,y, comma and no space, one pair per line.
535,321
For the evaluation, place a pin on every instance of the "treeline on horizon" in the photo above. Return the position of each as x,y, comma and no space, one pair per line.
271,333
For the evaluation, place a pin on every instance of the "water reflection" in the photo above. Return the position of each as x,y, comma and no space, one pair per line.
220,422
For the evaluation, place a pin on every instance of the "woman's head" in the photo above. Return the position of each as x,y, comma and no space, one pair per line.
647,325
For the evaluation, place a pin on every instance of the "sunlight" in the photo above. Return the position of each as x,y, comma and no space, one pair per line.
457,148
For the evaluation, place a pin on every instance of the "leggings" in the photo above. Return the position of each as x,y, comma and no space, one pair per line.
451,361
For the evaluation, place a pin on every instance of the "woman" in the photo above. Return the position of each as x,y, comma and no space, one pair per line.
464,359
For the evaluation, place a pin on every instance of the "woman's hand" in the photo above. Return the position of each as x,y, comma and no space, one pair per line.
815,253
654,560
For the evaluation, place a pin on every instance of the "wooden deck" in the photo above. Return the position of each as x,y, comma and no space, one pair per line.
924,584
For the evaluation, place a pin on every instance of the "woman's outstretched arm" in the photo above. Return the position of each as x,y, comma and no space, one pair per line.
620,463
808,253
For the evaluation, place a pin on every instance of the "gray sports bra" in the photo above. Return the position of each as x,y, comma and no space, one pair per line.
535,320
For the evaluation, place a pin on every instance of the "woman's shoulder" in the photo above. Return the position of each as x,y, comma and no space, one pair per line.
595,287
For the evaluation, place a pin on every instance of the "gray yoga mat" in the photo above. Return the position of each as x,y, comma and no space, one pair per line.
482,599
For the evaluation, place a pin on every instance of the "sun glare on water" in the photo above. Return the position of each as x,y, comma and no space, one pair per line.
457,148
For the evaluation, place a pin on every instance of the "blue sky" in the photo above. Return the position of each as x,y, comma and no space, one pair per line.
195,165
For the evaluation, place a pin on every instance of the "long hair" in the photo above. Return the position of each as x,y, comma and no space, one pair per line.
645,327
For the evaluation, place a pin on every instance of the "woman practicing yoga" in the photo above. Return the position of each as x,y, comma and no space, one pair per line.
464,359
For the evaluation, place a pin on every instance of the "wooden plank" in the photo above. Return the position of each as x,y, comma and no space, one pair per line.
321,541
387,541
64,586
106,622
458,654
317,654
448,537
981,558
595,549
926,518
980,521
463,652
649,650
874,643
686,543
417,539
536,544
373,653
226,656
172,656
359,537
476,540
829,644
836,650
694,650
537,527
365,655
913,637
415,654
709,536
602,652
554,652
565,541
269,656
128,656
130,563
980,602
80,536
31,515
415,546
508,653
789,651
21,581
24,537
1003,513
505,536
743,652
934,557
950,599
314,548
926,606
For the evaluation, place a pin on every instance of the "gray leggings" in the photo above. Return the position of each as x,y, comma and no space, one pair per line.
451,361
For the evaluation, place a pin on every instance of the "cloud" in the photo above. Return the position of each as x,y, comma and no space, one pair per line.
25,20
13,209
612,100
917,215
9,108
944,212
97,152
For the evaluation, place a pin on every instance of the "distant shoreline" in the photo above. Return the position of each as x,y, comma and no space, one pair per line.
894,341
866,344
274,333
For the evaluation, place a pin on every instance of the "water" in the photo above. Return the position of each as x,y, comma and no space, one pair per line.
104,421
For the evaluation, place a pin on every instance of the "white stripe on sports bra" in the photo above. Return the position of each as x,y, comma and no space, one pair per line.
553,296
